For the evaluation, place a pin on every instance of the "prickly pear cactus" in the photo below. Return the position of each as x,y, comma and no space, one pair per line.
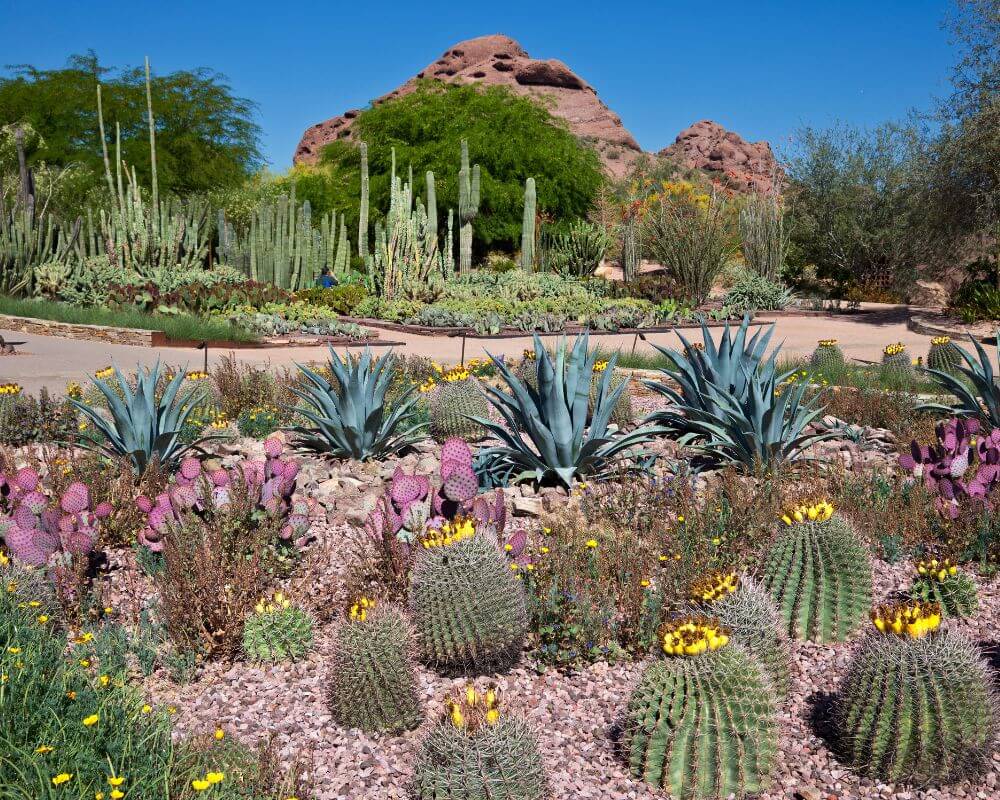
373,684
456,398
748,613
277,631
916,704
819,575
702,721
468,606
940,581
896,363
827,357
944,355
621,414
479,750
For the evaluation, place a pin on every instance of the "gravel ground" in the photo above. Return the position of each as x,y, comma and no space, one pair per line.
574,717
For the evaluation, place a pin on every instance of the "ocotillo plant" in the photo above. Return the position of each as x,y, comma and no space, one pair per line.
468,208
528,227
363,211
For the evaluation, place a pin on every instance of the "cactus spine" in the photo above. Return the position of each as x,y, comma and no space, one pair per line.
468,208
363,211
819,575
944,355
452,403
528,227
373,685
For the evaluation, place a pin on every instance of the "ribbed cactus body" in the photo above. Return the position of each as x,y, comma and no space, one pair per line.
916,710
283,634
451,405
498,762
945,356
827,358
820,577
528,227
468,606
897,365
956,594
373,684
703,727
752,619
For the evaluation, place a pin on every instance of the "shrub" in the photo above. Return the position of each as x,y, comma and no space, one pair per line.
25,419
763,237
751,292
277,631
259,422
373,685
341,299
241,386
976,301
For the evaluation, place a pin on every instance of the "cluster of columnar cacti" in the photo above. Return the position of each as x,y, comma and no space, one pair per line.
363,210
944,355
373,685
36,525
269,485
819,575
277,631
702,721
896,361
468,606
282,246
528,226
480,750
455,400
748,613
916,704
941,581
827,356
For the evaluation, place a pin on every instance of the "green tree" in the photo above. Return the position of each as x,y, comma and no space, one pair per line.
510,137
206,137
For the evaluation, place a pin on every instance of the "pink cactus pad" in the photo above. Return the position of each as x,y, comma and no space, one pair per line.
190,468
35,502
455,451
76,498
104,510
460,484
220,478
25,518
26,479
273,446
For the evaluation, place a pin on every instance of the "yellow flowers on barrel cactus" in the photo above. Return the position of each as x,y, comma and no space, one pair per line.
692,636
914,620
940,581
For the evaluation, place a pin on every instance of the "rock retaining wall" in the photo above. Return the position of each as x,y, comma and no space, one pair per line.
69,330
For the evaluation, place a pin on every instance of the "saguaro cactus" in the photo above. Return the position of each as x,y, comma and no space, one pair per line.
363,212
468,208
528,226
432,209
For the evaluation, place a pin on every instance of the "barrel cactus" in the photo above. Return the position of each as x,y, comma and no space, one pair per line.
819,575
479,750
621,414
702,721
526,369
454,401
277,631
945,355
373,684
827,357
748,613
896,363
468,605
940,581
916,704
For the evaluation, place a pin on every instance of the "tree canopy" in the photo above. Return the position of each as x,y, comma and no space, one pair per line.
512,138
206,137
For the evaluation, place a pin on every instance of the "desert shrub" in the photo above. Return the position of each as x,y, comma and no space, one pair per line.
259,422
342,299
871,407
25,419
751,292
655,287
242,386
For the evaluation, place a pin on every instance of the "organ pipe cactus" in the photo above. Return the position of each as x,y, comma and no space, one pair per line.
941,581
916,704
373,685
702,721
963,467
819,575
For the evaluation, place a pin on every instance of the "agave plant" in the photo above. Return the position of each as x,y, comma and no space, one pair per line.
546,433
973,384
142,427
350,416
732,405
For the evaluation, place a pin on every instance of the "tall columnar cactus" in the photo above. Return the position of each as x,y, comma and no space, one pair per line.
277,631
896,363
827,356
702,721
468,208
819,575
748,613
454,403
528,227
940,581
916,704
363,210
478,751
373,685
945,355
468,605
432,210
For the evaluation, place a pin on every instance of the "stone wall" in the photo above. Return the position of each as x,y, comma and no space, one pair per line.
68,330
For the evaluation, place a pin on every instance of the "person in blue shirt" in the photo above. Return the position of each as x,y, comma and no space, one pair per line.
326,280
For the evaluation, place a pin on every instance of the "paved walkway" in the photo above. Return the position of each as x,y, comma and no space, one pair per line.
52,362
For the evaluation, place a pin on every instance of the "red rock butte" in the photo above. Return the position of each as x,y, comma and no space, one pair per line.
498,60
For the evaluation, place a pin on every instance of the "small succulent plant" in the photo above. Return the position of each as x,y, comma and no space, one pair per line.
277,631
963,467
941,581
827,356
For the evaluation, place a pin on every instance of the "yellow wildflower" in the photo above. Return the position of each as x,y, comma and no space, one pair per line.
61,778
92,720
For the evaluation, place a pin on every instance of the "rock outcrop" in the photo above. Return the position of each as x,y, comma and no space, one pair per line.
706,145
500,61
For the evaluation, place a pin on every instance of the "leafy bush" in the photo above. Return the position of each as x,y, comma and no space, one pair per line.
752,292
195,298
341,299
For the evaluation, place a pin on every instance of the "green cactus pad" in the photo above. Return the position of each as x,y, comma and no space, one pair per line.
373,685
919,711
451,405
820,577
703,727
468,606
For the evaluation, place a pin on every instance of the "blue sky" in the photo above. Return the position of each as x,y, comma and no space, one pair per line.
760,68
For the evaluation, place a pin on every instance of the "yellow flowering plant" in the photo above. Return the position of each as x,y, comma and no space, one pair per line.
693,636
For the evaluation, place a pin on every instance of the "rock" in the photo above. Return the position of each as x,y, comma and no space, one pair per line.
707,145
929,294
527,506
